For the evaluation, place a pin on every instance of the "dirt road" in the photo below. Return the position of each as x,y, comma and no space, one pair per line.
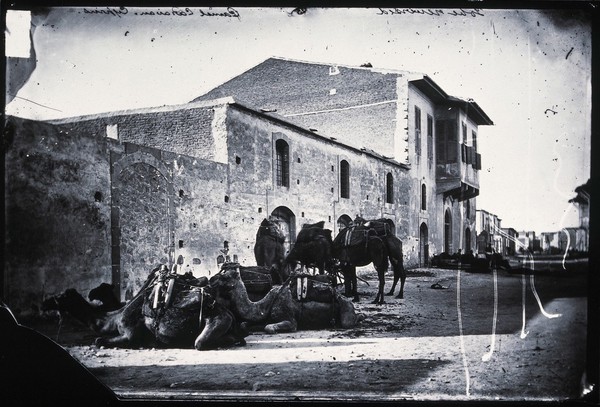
468,340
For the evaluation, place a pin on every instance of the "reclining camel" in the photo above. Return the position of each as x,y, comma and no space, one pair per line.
279,311
190,315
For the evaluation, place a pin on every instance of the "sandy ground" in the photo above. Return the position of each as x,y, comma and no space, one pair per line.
475,339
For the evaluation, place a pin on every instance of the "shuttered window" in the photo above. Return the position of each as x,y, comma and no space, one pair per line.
344,179
282,163
446,141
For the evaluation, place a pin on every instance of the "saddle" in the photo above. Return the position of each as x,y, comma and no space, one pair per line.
257,280
306,287
353,236
170,289
381,226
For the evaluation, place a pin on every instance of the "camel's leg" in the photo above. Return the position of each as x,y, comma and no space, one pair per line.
350,282
354,283
283,326
379,299
399,274
402,280
135,336
120,341
214,333
381,270
396,278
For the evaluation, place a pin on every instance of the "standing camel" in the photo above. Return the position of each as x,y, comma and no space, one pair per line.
367,242
269,250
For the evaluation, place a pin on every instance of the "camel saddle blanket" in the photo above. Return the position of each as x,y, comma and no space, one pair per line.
382,227
353,236
183,299
256,279
305,287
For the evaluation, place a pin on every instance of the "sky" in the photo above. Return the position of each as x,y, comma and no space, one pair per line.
529,70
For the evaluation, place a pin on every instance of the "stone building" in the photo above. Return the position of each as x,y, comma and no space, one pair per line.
104,198
582,201
509,238
489,231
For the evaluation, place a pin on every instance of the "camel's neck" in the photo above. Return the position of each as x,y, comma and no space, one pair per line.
255,311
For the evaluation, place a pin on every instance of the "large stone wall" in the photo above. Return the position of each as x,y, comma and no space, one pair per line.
186,130
57,197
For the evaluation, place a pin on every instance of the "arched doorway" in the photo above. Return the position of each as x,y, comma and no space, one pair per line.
423,246
467,240
287,222
343,221
482,241
144,224
448,232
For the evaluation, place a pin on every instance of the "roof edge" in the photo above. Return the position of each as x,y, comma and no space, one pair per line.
145,110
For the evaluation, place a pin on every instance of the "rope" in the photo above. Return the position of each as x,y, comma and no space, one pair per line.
201,305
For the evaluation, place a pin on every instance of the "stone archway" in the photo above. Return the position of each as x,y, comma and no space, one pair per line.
287,223
343,221
142,226
467,240
448,232
482,241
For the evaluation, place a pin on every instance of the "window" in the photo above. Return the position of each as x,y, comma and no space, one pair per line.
474,135
417,131
468,208
464,133
446,141
389,190
282,165
423,197
429,138
344,179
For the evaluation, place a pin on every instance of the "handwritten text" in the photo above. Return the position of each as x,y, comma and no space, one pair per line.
430,12
173,11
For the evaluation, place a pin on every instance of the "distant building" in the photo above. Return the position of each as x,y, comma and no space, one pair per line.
528,240
489,228
509,241
582,201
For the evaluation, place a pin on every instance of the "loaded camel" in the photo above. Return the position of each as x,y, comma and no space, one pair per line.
157,317
384,229
313,248
360,244
278,311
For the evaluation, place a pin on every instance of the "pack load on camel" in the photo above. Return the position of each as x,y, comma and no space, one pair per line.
312,249
280,310
258,281
359,231
170,310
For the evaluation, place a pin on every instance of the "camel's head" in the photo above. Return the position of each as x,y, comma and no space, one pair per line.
70,299
102,292
271,227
